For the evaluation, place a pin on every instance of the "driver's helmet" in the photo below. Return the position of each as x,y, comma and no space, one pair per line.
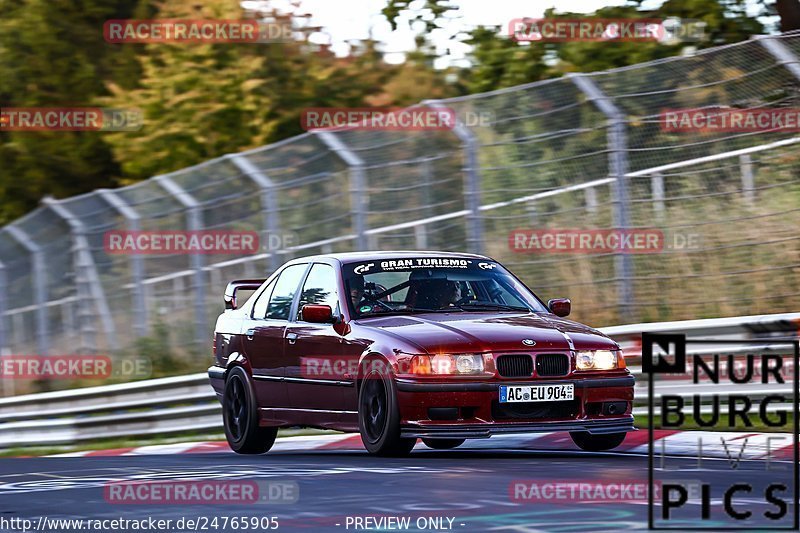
357,283
356,286
432,293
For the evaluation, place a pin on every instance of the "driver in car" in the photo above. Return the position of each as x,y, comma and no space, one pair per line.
356,290
434,294
450,294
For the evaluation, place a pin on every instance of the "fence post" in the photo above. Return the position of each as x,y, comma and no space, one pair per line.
3,292
193,223
269,203
785,57
358,199
618,167
420,237
18,329
132,218
748,178
215,275
87,281
68,319
39,280
6,385
781,52
533,213
657,185
421,231
590,194
472,183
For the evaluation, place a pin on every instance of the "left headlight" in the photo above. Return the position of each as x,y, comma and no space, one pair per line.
598,360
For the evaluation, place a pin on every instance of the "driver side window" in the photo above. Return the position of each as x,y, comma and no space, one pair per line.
280,302
319,288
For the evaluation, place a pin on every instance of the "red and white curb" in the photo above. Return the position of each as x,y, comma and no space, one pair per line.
731,445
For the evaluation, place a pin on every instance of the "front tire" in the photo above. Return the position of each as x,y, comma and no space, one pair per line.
596,443
240,416
379,417
443,444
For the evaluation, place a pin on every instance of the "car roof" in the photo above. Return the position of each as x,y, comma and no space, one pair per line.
354,257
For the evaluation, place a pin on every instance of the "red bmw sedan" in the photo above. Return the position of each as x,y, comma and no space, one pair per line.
406,345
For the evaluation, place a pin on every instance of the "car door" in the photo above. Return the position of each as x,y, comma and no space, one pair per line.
264,340
315,374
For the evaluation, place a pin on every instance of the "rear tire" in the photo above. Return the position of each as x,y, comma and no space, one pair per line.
443,444
379,417
240,416
596,443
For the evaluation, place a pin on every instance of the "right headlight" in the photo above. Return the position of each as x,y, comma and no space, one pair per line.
598,360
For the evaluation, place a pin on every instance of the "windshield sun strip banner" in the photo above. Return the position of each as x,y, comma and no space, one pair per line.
417,263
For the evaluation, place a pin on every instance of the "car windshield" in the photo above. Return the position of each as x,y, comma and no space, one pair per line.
434,285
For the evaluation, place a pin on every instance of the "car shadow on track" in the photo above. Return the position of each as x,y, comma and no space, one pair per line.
471,454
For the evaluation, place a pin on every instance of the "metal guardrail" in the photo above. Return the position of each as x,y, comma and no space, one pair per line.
581,150
174,405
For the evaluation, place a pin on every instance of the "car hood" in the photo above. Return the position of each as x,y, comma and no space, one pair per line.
479,332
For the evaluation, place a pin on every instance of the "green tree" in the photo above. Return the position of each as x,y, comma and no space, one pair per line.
204,100
197,100
52,54
499,61
725,23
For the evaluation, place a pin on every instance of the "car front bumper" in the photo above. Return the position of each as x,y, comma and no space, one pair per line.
482,431
478,413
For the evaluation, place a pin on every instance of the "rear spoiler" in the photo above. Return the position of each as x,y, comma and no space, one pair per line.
233,286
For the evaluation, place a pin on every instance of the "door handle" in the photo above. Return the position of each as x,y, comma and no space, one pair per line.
291,337
250,333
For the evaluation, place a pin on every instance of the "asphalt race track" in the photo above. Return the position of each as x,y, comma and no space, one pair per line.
469,487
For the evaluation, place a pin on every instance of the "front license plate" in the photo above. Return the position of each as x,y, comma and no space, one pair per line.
537,393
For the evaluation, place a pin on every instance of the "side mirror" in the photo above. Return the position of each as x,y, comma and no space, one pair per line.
317,314
560,306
